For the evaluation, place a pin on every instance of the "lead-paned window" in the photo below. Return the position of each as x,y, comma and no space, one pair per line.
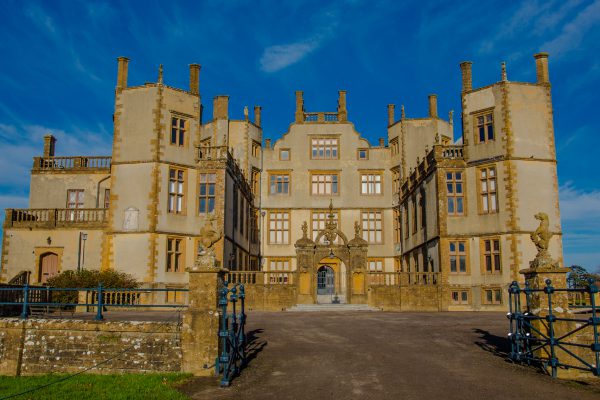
176,190
491,253
324,148
324,184
372,226
175,255
206,194
279,183
279,227
488,190
178,128
370,183
458,257
319,218
455,192
485,127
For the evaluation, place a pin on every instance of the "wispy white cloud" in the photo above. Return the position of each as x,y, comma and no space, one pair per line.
573,32
579,205
41,18
580,215
277,57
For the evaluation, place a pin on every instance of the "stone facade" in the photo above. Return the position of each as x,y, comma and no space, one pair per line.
420,221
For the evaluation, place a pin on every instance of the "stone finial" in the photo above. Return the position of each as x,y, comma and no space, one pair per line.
245,113
402,114
451,117
357,230
160,73
437,138
304,230
503,67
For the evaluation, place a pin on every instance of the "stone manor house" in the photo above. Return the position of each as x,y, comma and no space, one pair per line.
417,221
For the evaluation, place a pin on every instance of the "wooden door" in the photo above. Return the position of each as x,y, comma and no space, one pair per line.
48,266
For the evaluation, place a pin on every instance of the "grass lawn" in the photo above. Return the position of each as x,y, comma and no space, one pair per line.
88,386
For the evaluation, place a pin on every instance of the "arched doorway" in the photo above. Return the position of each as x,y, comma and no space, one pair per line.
325,284
48,266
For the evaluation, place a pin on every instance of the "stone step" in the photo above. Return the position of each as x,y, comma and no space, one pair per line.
331,307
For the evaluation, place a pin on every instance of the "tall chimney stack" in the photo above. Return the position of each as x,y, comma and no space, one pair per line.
541,67
195,79
391,117
381,142
257,110
299,107
467,77
122,73
49,145
342,111
221,107
268,143
433,106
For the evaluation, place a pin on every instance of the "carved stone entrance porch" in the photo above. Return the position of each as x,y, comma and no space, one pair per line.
351,257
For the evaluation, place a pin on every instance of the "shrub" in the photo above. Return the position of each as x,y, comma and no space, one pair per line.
88,279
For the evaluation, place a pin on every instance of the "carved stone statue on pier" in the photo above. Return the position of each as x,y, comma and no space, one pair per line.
209,235
541,238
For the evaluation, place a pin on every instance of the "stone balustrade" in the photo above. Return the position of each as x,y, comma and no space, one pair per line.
91,163
56,217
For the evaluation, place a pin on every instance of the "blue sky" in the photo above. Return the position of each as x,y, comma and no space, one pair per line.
58,71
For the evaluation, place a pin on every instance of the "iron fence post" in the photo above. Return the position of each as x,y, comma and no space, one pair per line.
551,318
99,316
25,300
594,321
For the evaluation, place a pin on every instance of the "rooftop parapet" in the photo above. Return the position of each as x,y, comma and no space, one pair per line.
74,163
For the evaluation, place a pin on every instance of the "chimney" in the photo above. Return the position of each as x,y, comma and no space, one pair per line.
381,142
257,110
221,107
268,143
122,72
433,106
49,145
541,67
299,107
503,75
391,117
342,112
467,78
195,79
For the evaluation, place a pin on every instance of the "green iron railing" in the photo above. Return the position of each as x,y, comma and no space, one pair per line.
26,297
232,333
536,338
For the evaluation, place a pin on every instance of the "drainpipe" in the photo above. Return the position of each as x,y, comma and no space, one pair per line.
98,190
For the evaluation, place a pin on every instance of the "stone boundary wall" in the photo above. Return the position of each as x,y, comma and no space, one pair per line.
43,346
405,298
270,297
